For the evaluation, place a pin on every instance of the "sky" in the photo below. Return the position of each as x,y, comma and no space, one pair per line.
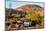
15,4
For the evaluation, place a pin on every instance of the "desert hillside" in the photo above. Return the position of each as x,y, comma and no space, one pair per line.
31,8
32,15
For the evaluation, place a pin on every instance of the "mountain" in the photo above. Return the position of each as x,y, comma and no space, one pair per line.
31,8
12,11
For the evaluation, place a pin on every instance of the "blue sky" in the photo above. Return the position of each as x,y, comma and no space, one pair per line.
15,4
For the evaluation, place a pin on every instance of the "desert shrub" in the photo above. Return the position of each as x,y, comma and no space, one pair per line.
35,15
